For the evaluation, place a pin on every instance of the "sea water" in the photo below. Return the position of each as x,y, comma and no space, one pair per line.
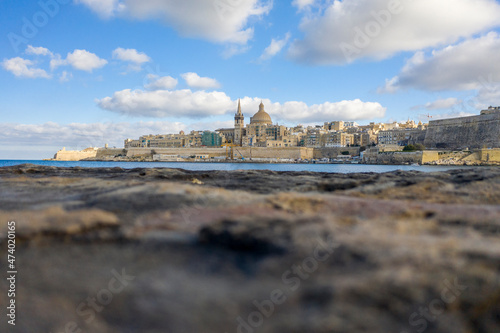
205,166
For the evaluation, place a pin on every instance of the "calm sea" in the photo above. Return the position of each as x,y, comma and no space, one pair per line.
336,168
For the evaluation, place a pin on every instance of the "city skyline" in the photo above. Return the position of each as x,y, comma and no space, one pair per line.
84,73
260,131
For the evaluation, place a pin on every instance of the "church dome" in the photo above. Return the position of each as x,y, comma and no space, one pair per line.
261,117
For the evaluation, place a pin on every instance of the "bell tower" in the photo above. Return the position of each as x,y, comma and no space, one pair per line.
239,123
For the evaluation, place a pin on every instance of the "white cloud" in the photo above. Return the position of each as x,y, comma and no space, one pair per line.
65,76
57,61
275,47
82,135
234,49
195,81
160,83
132,56
293,112
488,97
302,4
24,68
158,102
79,59
468,65
82,59
211,125
452,115
377,29
104,8
166,103
217,21
442,104
85,61
38,51
390,87
199,104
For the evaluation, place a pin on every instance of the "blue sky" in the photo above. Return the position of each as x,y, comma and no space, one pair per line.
80,73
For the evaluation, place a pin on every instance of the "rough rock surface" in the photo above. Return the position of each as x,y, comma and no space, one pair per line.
169,250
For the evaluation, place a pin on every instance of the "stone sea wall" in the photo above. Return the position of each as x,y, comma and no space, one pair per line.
370,156
238,152
183,152
273,153
333,152
393,157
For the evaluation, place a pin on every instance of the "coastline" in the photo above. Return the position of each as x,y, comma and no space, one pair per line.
298,155
468,164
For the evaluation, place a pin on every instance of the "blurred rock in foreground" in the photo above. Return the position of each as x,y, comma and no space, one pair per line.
169,250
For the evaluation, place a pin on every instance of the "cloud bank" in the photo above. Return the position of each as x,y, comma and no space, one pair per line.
341,32
24,68
167,103
81,135
162,103
217,21
466,66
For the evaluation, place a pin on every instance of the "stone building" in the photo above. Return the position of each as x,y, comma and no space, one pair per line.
337,139
334,126
362,139
157,141
314,137
193,139
401,137
227,134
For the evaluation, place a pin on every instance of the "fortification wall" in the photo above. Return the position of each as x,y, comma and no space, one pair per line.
372,156
474,132
110,152
333,152
399,157
280,153
183,152
245,152
489,155
75,155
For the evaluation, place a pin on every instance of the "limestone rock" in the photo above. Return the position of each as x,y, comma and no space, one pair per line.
152,250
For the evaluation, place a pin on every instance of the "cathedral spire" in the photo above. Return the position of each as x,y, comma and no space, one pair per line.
239,107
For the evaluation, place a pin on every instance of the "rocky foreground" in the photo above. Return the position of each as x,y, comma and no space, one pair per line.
169,250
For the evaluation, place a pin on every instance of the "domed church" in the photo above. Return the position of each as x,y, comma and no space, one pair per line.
259,130
261,117
255,131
